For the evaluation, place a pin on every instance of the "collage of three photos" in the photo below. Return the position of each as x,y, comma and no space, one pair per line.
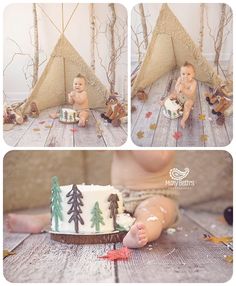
83,201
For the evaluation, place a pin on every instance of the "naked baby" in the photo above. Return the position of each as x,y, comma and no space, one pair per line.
185,91
79,99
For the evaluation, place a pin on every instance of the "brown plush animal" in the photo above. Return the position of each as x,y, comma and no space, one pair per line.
34,112
112,109
225,89
211,98
12,116
142,95
224,103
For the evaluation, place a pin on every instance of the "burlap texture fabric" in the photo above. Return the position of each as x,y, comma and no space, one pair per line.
27,176
170,47
56,80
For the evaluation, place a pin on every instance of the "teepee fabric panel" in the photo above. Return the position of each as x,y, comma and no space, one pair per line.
74,64
158,61
49,90
56,80
184,49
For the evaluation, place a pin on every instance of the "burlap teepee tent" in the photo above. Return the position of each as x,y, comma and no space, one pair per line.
57,79
169,48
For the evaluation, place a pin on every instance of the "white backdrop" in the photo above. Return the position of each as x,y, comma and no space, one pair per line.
189,17
18,23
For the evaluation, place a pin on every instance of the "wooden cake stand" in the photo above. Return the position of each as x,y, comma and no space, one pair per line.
89,238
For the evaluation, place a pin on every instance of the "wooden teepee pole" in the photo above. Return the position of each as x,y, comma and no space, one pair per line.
64,60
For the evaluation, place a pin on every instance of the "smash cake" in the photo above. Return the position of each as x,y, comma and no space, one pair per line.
172,109
85,213
68,115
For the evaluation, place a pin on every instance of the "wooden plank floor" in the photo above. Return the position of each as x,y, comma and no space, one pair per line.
150,128
179,257
46,132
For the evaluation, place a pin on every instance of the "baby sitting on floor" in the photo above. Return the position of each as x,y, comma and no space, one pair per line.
79,99
185,91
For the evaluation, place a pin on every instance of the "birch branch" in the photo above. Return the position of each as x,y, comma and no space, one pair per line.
112,47
201,32
92,36
144,24
36,48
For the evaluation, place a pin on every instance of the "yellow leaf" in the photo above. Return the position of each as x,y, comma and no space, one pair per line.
229,258
36,129
140,134
224,239
48,126
204,138
153,126
202,117
7,253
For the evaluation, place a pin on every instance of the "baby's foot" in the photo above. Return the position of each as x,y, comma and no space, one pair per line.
182,123
26,223
82,122
136,237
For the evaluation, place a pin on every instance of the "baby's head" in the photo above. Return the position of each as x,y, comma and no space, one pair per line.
187,72
79,83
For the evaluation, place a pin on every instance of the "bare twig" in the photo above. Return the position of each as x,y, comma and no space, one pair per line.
222,34
92,35
201,32
144,24
115,32
36,48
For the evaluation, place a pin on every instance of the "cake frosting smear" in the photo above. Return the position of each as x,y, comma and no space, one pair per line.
87,209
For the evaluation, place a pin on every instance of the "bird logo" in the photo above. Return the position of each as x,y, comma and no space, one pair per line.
178,175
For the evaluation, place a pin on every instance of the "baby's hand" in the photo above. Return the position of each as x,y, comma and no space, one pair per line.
70,97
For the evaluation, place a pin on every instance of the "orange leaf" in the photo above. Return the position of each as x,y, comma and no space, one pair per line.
7,253
153,126
140,134
214,239
122,253
36,129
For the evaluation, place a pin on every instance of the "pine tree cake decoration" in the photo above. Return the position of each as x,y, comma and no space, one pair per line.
56,207
75,200
113,207
97,218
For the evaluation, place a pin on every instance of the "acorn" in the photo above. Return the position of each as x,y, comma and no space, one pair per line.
228,215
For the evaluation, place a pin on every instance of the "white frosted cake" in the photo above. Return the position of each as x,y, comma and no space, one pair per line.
68,115
172,109
87,209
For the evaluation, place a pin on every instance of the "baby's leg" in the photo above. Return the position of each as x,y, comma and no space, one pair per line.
152,216
171,96
187,109
54,115
27,223
83,118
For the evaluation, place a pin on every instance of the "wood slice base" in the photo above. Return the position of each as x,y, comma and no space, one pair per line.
89,239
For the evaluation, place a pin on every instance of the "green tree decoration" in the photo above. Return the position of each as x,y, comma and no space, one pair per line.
113,199
97,218
75,200
56,200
